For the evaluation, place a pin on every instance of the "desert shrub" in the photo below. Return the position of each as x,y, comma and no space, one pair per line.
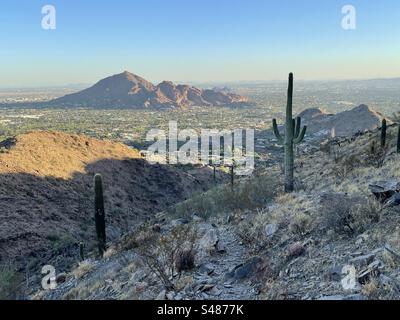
9,282
251,193
295,213
300,223
375,155
169,253
345,165
374,289
349,215
251,232
185,260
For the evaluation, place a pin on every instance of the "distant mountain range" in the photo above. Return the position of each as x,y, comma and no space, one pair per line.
128,90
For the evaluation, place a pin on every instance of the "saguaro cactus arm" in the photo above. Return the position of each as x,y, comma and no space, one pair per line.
300,137
298,127
276,132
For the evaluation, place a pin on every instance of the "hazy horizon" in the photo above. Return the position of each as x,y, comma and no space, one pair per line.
78,85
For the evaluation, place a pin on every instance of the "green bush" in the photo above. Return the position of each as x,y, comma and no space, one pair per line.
250,193
9,282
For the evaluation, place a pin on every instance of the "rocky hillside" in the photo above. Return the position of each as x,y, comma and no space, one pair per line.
46,194
330,239
128,90
344,124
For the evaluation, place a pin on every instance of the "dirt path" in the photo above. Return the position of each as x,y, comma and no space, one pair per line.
212,284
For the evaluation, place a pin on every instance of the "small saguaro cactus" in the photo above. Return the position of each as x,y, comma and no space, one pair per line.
232,171
99,213
398,138
383,133
293,135
82,251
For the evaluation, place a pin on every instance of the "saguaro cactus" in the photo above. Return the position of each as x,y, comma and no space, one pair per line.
232,169
383,133
99,213
82,251
398,139
293,135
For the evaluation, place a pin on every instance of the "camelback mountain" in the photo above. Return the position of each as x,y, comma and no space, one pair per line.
46,193
127,90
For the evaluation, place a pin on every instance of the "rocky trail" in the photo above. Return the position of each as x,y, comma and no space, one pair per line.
223,275
218,280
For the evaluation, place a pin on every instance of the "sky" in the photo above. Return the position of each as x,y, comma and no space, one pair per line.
197,41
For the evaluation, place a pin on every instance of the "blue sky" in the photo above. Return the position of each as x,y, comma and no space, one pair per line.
200,41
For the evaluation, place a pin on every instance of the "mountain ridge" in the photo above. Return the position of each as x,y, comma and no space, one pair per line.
128,90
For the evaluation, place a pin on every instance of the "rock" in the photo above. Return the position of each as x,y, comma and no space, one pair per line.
156,228
207,287
196,218
373,270
389,249
393,201
205,296
170,295
206,269
161,295
335,273
210,241
61,278
384,190
179,222
229,218
343,298
141,287
388,282
178,297
250,268
362,260
215,292
270,229
295,250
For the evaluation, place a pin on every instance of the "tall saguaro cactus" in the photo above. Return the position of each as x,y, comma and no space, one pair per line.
398,138
294,134
383,133
99,214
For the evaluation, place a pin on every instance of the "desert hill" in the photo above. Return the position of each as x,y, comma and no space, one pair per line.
128,90
46,193
331,239
346,123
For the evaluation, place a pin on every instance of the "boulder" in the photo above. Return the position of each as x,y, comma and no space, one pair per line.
393,201
246,270
210,241
296,250
383,190
270,229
